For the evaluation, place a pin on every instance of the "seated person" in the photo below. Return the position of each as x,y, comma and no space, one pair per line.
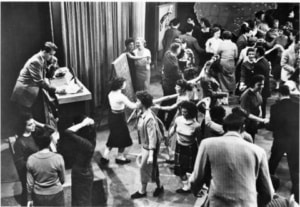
25,146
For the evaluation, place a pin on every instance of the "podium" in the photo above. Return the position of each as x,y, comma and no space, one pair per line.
70,106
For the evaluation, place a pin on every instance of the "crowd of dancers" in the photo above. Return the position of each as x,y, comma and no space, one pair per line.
203,69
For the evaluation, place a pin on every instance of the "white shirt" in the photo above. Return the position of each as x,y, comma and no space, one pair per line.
212,45
118,101
143,61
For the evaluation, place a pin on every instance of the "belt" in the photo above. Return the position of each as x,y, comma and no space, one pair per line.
117,111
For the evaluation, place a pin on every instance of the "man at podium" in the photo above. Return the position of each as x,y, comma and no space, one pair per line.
28,93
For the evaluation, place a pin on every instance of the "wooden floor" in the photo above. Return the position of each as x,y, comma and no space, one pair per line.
123,180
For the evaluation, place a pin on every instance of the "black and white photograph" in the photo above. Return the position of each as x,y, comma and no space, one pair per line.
150,103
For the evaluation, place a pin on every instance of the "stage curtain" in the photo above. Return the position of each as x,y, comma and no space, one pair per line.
93,36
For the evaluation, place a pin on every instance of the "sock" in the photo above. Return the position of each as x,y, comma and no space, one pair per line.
186,185
121,156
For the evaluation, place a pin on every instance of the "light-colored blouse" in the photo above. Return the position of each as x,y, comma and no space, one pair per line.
144,61
212,45
227,50
118,101
187,131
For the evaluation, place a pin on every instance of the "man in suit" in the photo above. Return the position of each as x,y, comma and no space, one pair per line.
237,170
284,122
262,67
27,93
196,29
192,43
171,34
242,41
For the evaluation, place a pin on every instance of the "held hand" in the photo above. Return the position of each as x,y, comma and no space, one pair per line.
30,204
242,87
266,120
156,106
150,160
88,121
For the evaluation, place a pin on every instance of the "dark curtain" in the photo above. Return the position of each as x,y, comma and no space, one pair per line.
93,36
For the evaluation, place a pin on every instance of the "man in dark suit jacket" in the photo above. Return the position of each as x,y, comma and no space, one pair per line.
171,34
284,122
27,94
242,41
238,170
192,43
262,67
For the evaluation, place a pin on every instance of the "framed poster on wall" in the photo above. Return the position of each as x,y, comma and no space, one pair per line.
165,13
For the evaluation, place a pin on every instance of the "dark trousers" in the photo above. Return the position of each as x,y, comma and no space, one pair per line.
251,128
49,200
82,186
170,114
277,151
37,110
23,197
264,107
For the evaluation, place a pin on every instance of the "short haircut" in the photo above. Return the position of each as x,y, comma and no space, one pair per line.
252,41
22,123
184,85
117,83
233,122
240,111
227,35
256,79
215,29
192,17
177,40
43,141
251,23
284,90
260,50
205,21
174,22
189,28
244,29
259,14
190,107
49,46
217,114
174,47
128,41
145,98
251,49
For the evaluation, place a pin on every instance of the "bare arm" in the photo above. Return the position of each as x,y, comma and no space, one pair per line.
135,57
277,46
165,98
168,108
86,122
128,103
206,66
